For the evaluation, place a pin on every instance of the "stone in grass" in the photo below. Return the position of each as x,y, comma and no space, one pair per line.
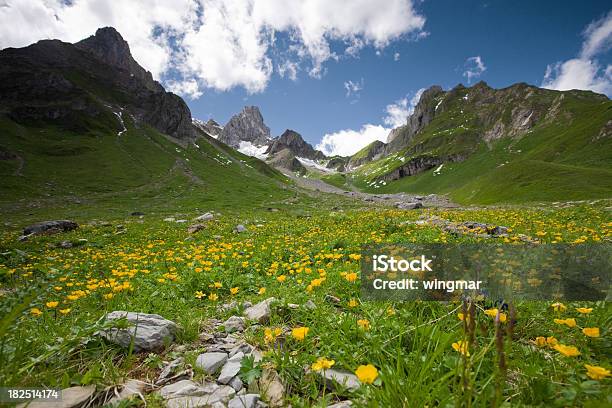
192,229
187,393
211,362
260,312
231,368
333,377
169,369
130,389
234,323
205,217
244,401
147,331
50,227
186,388
71,398
310,305
272,388
236,383
240,228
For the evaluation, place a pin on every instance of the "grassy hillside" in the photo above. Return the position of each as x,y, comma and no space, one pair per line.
566,155
140,169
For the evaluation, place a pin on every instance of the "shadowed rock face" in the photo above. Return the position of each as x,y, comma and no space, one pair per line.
69,84
293,141
247,126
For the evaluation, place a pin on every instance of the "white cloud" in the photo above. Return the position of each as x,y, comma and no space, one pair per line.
353,88
396,56
585,72
348,141
398,112
474,67
188,88
219,44
288,68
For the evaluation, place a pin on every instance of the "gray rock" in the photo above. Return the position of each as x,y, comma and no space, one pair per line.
260,312
217,398
243,347
234,323
170,219
332,299
409,206
129,390
147,331
50,227
231,368
169,369
346,379
205,217
272,388
186,388
71,398
240,228
244,401
211,362
181,221
236,383
310,305
192,229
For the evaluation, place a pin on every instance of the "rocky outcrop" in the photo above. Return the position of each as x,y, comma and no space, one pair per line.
423,114
337,163
147,332
247,126
418,165
373,151
210,127
286,160
68,85
293,141
50,227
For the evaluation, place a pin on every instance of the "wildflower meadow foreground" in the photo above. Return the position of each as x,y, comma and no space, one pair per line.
269,303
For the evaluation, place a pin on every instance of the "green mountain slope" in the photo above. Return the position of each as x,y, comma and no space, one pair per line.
482,145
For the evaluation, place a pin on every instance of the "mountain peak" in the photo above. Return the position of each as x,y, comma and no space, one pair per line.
246,126
109,46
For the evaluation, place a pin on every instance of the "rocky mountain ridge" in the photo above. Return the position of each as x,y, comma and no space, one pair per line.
65,84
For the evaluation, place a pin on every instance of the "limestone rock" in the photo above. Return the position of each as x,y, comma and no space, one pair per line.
244,401
147,331
260,312
211,362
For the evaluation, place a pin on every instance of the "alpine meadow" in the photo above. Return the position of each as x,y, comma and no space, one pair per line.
154,256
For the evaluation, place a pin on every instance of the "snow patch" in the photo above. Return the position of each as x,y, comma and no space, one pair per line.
439,103
436,172
312,163
250,149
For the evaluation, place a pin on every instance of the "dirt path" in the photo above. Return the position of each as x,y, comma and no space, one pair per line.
431,200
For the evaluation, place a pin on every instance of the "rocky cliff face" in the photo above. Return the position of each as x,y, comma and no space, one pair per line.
97,78
247,126
210,127
293,141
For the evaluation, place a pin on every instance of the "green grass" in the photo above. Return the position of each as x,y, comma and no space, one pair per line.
561,159
410,347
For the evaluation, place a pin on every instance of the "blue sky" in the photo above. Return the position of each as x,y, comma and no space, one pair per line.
344,72
515,40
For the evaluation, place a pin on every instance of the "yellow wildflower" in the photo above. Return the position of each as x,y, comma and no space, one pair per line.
540,341
262,291
35,311
584,310
213,297
569,322
364,324
596,372
235,290
199,294
591,331
367,374
281,278
52,305
558,307
352,303
462,347
299,333
351,277
322,363
65,311
568,351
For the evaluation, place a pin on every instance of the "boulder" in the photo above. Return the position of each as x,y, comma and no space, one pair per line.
147,331
409,206
272,388
244,401
234,323
130,389
236,383
50,227
192,229
231,368
72,397
260,312
205,217
211,362
334,376
240,228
